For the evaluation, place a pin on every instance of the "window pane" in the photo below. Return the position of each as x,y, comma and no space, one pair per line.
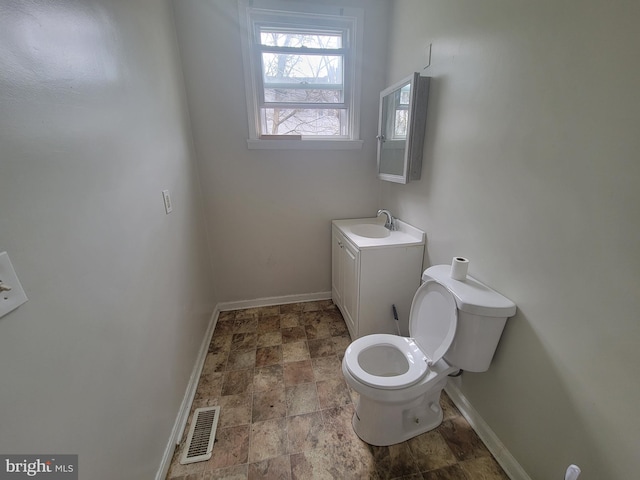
280,121
283,38
302,78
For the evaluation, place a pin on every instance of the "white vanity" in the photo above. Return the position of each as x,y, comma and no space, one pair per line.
372,269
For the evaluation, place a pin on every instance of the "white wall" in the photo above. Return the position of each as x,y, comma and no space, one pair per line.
270,211
531,170
93,126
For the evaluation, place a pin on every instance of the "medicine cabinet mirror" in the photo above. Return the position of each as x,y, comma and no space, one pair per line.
401,129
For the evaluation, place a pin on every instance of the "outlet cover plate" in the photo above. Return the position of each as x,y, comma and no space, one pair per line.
15,297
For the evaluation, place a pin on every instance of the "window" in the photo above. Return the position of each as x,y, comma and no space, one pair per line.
301,76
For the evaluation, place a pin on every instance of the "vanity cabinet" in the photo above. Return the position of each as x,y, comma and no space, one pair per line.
369,275
345,262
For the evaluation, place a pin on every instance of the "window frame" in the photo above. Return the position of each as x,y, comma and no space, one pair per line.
273,13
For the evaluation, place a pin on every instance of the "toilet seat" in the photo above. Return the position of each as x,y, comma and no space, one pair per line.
415,368
432,323
433,320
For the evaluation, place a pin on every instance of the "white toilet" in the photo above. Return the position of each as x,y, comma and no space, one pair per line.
454,325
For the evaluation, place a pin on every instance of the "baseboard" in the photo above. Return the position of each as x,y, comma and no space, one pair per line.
267,301
183,413
507,461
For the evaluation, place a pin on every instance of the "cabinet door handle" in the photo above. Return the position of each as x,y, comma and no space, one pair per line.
340,244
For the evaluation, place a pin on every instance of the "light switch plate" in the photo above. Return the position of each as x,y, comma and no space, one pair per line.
168,208
10,299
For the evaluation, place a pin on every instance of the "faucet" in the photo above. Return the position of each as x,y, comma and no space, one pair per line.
390,223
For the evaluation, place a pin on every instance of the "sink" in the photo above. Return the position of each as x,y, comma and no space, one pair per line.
369,230
371,233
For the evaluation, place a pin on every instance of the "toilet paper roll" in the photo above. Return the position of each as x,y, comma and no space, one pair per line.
459,268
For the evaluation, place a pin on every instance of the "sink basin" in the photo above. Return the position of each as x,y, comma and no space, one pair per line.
370,230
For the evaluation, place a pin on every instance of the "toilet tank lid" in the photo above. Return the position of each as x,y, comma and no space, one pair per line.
472,296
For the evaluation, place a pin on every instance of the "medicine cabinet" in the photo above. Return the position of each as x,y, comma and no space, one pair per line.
401,129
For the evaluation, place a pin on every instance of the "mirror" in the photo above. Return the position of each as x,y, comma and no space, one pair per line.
401,129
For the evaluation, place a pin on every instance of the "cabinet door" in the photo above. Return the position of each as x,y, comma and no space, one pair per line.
350,291
337,274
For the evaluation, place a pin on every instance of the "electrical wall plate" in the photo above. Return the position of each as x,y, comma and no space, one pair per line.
11,292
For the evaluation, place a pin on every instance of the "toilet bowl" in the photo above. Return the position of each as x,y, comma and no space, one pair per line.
453,325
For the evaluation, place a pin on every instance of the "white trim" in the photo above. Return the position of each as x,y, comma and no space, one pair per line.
354,16
507,461
267,301
254,144
183,413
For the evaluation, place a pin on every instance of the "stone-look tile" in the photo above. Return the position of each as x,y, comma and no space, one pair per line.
304,432
215,362
317,330
394,461
298,372
231,447
312,317
332,393
268,440
269,311
314,306
278,468
268,339
202,403
266,378
301,399
225,327
295,351
209,386
338,328
302,379
226,316
268,404
241,359
290,319
321,348
243,341
293,334
245,313
234,410
431,451
449,410
193,476
268,356
341,343
245,324
483,468
332,462
220,343
237,381
453,472
462,439
291,308
177,470
237,472
269,324
338,427
325,368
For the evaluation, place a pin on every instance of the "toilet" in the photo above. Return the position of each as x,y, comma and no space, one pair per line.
453,325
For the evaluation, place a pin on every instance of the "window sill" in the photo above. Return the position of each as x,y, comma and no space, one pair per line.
254,144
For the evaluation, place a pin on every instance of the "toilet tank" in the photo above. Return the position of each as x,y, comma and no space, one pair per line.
482,315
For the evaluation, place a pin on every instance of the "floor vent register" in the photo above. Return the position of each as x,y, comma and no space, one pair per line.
202,434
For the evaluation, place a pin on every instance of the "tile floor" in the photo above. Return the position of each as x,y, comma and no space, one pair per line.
286,409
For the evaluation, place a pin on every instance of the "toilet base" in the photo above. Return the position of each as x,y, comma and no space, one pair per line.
382,424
